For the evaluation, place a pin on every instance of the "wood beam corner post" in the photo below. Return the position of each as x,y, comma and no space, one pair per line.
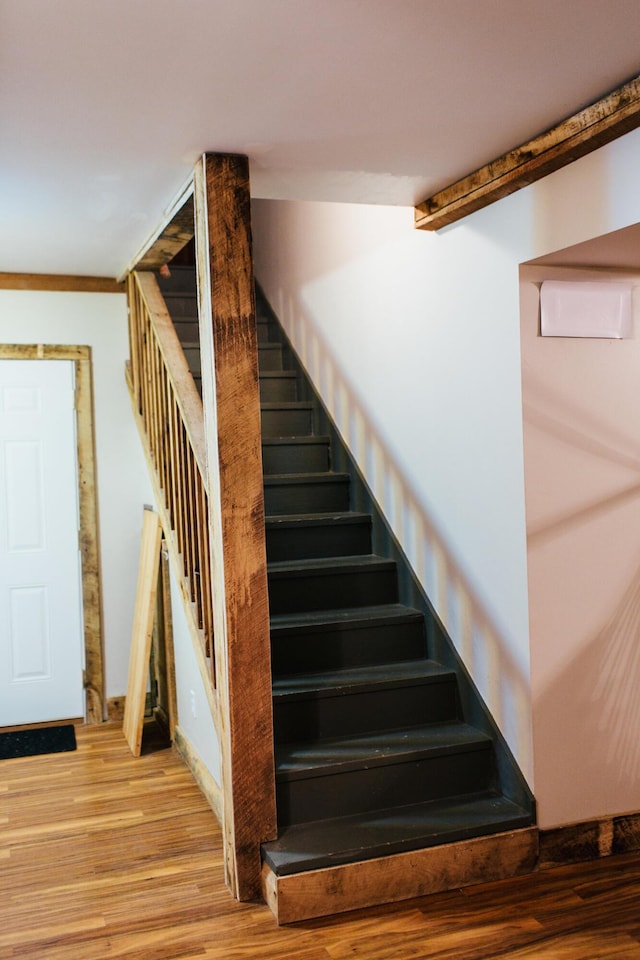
229,357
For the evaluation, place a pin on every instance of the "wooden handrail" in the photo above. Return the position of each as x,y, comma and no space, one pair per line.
170,410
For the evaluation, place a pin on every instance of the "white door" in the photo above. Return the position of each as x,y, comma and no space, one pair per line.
41,631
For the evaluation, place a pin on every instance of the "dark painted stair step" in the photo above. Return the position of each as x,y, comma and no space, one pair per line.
182,280
181,305
340,776
363,699
304,536
328,583
278,385
335,639
192,353
306,492
270,356
295,455
287,419
187,329
326,843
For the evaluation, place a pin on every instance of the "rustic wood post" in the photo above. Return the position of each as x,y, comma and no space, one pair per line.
229,356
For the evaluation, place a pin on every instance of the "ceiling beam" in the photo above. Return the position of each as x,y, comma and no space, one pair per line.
172,234
599,123
60,283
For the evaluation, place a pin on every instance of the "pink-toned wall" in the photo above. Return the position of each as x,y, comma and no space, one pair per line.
581,416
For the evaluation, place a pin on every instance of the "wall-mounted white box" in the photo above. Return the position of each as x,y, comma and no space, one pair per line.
585,309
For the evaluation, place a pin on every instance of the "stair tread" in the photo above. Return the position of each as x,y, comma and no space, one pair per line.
340,754
286,405
331,564
313,519
291,441
351,616
326,476
358,679
325,843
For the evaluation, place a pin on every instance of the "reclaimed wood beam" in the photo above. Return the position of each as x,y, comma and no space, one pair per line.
585,131
173,233
231,404
59,283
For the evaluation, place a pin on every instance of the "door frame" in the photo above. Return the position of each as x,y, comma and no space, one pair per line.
88,511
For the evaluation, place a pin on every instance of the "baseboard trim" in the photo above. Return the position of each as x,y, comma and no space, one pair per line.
589,840
200,772
115,708
418,873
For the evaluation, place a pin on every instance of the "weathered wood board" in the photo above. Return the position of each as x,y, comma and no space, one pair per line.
142,630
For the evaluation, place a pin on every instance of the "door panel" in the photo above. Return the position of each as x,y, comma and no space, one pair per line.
41,642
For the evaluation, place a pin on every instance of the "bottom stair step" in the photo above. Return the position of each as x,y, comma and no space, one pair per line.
324,843
388,879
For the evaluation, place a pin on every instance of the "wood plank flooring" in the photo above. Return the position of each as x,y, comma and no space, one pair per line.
106,856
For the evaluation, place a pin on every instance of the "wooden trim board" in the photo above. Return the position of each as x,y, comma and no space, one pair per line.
140,652
88,509
59,283
173,233
589,840
200,772
417,873
585,131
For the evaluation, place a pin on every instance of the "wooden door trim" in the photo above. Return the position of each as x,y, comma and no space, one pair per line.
88,510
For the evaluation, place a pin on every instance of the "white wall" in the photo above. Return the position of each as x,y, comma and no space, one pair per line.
413,339
582,475
194,714
99,321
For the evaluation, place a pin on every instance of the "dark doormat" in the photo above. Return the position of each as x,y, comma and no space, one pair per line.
29,743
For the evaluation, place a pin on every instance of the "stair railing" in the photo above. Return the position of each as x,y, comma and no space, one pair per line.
169,413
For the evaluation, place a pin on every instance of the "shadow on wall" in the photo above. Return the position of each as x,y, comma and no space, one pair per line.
583,513
590,714
494,670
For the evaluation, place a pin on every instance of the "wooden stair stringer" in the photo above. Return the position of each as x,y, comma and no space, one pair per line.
402,876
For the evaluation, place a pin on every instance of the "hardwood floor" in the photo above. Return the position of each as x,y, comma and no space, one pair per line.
107,856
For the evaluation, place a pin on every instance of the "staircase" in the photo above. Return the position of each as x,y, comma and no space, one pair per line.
382,745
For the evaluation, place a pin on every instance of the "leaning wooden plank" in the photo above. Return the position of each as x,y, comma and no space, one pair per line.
142,630
582,133
402,876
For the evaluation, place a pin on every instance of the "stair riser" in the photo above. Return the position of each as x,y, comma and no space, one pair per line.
264,331
182,305
342,794
355,713
287,423
188,330
274,389
304,541
300,651
269,356
295,457
316,497
331,590
181,282
192,355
